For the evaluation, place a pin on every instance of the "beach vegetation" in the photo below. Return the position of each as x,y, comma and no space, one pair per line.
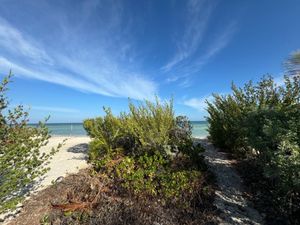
21,161
261,122
148,152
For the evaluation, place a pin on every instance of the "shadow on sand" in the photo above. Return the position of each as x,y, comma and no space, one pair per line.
229,199
80,148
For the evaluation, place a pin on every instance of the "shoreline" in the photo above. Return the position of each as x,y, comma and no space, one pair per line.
199,129
68,136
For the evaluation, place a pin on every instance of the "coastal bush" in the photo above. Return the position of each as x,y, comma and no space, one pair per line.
147,151
21,161
262,122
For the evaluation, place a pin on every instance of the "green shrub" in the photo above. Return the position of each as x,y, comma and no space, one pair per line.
144,151
21,161
262,121
150,125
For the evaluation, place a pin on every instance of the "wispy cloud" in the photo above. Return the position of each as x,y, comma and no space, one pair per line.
191,55
133,86
198,14
57,78
220,42
183,74
95,67
217,45
14,41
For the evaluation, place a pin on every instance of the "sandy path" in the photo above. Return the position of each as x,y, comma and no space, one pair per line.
70,159
235,209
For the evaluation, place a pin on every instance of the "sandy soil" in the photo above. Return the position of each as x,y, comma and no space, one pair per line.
230,195
70,159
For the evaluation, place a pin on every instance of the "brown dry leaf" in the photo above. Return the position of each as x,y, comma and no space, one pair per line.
71,206
105,189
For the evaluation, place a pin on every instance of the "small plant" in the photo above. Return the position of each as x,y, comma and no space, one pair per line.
45,220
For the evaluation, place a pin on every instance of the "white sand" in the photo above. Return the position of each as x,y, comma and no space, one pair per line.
71,158
230,194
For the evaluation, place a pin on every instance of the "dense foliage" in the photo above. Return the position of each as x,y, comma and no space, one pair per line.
21,161
148,152
262,121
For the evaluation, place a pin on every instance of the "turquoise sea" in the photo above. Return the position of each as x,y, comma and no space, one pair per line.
76,129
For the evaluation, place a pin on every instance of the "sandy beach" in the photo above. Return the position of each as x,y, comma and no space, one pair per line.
71,158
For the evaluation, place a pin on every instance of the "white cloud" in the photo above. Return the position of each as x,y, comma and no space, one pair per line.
216,46
57,78
190,56
198,103
14,41
130,86
94,67
198,14
185,83
221,41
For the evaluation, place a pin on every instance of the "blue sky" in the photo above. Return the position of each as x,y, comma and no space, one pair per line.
70,58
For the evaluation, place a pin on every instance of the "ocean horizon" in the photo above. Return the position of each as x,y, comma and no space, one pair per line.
76,129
